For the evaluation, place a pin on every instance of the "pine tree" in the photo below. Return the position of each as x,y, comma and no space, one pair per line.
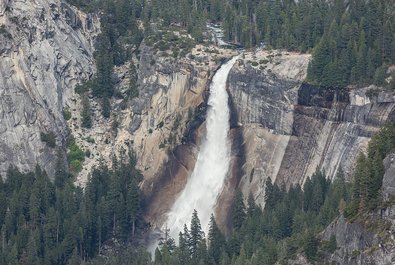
86,113
61,174
310,246
321,58
196,235
238,211
270,198
133,204
105,107
133,87
361,62
216,241
252,207
74,259
3,206
307,195
13,256
183,253
51,236
32,249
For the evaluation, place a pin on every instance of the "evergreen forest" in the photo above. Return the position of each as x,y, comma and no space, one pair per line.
54,222
352,42
48,220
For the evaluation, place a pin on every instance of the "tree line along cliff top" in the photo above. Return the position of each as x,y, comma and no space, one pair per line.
352,42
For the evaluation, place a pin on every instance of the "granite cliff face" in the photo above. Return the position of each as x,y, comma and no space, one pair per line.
371,238
178,106
152,124
46,47
280,127
290,128
363,242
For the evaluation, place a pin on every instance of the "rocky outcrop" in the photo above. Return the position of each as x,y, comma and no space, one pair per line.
264,90
330,129
291,128
389,177
367,241
46,48
369,238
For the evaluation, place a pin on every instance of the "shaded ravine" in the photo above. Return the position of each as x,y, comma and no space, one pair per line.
212,165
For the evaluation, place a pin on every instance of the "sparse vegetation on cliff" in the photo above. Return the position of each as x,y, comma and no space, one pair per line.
49,138
75,156
369,172
86,112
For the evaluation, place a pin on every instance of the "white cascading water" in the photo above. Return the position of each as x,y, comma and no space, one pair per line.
212,165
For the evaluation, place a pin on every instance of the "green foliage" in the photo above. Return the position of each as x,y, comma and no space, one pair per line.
285,227
61,174
119,36
216,241
165,40
356,48
238,211
86,112
133,87
106,108
84,87
75,156
379,76
192,247
49,138
195,236
66,114
369,172
310,246
58,223
332,244
350,42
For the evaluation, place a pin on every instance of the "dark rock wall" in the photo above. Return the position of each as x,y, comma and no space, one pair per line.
295,128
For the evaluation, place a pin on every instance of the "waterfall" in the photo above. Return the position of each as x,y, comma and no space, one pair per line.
212,165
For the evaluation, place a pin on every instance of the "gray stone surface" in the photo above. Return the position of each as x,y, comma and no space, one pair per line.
47,51
389,177
358,245
291,129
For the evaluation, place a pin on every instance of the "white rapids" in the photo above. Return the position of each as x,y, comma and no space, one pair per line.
212,165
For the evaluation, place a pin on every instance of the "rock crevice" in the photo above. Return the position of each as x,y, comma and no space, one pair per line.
43,55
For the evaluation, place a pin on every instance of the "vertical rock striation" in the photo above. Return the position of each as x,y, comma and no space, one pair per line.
46,47
291,128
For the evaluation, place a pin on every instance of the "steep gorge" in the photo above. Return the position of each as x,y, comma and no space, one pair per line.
280,127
